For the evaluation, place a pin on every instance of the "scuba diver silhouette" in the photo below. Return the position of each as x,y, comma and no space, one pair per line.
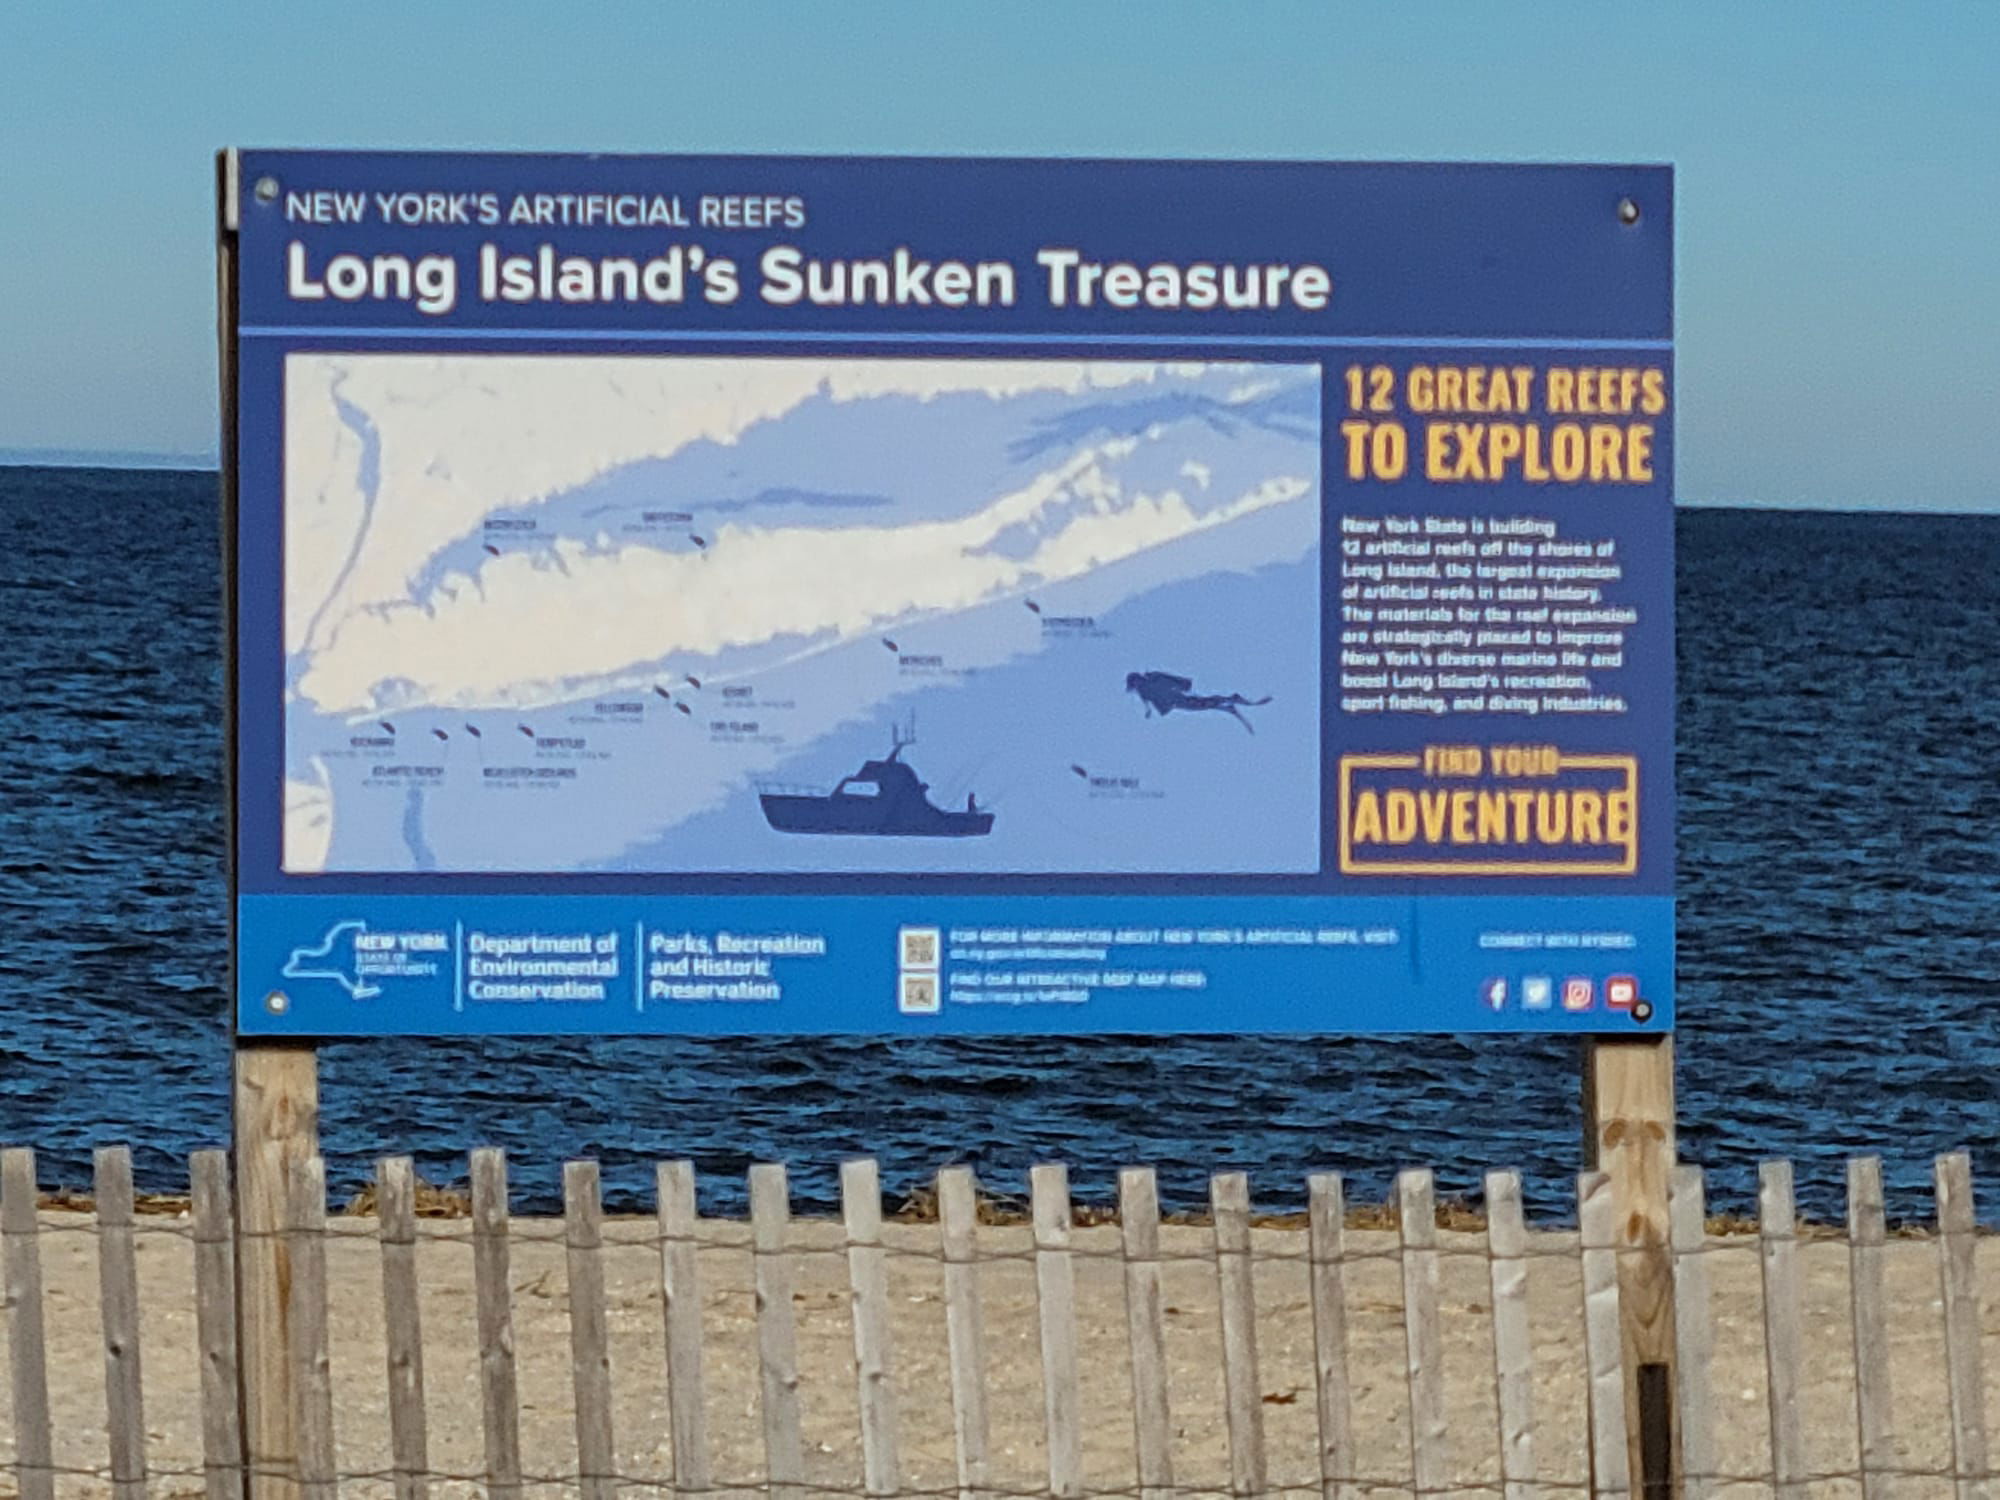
1163,692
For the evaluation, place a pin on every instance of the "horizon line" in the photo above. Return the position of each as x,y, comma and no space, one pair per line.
141,460
107,458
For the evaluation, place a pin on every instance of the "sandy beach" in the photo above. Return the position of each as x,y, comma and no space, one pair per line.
921,1372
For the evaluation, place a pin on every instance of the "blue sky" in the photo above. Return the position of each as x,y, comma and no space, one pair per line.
1839,199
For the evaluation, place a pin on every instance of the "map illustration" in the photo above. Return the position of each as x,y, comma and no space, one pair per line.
679,615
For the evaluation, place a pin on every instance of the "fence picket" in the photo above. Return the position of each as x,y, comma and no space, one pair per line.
777,1338
1784,1342
1055,1287
402,1324
680,1289
1694,1330
1958,1276
20,1229
868,1279
1229,1206
1416,1205
215,1324
303,1229
958,1214
499,1387
1152,1422
1326,1222
312,1368
1513,1343
1604,1356
118,1308
1866,1244
589,1338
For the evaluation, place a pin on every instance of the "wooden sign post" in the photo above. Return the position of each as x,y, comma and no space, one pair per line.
275,1093
277,1125
1628,1107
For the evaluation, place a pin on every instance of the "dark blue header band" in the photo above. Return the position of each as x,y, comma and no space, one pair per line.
1502,252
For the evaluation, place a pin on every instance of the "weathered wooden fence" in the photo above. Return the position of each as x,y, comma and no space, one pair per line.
1052,1353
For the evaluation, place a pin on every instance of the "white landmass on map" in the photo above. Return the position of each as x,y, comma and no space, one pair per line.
456,439
487,642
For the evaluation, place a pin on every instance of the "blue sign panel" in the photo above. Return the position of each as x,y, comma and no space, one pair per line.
788,595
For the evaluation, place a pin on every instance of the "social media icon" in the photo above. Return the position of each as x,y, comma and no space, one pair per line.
1537,992
1494,993
1578,993
1621,992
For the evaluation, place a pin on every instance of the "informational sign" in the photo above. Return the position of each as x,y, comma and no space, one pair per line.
790,595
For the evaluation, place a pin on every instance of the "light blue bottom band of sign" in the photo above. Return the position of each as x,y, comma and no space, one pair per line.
916,965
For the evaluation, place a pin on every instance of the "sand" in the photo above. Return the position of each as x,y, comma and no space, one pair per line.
921,1371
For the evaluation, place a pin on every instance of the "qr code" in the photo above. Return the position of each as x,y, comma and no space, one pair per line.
919,995
920,947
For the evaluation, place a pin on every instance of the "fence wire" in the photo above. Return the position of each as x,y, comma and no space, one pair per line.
733,1237
759,1484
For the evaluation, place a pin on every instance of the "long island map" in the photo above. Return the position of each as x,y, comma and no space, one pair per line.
681,614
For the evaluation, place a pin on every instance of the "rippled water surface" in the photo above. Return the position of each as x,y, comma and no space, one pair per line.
1840,831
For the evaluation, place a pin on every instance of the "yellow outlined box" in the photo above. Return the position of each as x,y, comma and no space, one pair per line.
1625,863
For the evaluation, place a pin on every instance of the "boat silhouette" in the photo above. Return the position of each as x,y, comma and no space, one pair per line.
884,799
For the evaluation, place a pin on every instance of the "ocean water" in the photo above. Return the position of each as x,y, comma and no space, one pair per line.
1839,774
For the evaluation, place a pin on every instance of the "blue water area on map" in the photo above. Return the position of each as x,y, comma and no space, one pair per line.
1840,833
1208,793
